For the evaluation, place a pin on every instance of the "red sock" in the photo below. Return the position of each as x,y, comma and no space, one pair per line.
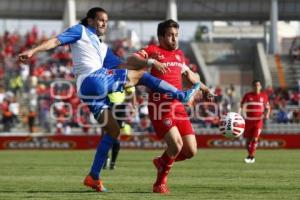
180,157
252,148
165,166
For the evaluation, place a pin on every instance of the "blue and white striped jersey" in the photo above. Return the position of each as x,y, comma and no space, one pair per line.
88,52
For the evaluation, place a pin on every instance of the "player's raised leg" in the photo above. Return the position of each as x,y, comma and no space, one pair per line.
141,77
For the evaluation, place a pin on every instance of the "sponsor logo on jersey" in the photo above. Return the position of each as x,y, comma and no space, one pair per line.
110,72
178,57
174,64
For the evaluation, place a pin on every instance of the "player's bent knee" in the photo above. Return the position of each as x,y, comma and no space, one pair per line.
191,153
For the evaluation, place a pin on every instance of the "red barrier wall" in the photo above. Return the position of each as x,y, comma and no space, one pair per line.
274,141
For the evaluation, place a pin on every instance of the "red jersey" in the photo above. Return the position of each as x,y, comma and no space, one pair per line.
254,105
175,61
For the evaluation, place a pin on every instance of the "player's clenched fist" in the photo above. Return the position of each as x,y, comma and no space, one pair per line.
24,56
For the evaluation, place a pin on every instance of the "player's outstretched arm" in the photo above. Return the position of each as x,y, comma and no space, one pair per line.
47,45
137,61
141,62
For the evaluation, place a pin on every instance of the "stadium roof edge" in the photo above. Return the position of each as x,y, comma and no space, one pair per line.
190,10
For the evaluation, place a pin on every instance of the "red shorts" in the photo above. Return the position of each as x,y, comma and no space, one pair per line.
253,129
163,122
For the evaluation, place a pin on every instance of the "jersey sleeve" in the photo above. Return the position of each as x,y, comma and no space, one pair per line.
146,52
111,60
70,35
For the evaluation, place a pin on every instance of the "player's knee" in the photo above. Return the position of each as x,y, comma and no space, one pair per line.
114,131
175,147
191,153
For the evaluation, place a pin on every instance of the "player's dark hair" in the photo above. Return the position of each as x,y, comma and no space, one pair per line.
162,27
255,81
91,14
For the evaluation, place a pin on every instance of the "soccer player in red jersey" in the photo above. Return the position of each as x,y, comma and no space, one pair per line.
168,116
255,107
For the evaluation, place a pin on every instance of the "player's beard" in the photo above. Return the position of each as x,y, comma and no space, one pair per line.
101,31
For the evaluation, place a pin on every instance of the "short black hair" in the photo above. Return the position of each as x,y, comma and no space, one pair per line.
255,81
162,26
92,14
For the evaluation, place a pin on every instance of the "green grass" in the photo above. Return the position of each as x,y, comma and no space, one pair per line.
212,174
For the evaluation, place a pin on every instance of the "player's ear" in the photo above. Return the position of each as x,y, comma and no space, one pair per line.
90,21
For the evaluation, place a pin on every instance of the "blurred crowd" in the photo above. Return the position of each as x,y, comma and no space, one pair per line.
41,97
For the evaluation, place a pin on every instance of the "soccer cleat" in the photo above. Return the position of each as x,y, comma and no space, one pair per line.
112,166
162,189
189,94
249,160
94,184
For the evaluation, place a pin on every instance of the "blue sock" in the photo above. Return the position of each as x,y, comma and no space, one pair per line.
101,155
161,86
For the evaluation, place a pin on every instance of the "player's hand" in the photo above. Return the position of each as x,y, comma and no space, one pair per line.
161,67
24,56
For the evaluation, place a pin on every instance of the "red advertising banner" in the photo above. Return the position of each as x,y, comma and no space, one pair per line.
274,141
49,142
64,142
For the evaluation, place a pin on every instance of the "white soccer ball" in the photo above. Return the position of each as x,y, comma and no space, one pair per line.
232,125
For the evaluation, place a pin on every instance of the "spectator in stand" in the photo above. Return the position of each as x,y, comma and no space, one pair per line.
295,54
6,115
296,116
153,41
14,108
2,94
16,83
44,115
282,116
218,92
294,97
31,120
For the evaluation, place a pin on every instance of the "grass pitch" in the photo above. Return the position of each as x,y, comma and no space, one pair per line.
212,174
